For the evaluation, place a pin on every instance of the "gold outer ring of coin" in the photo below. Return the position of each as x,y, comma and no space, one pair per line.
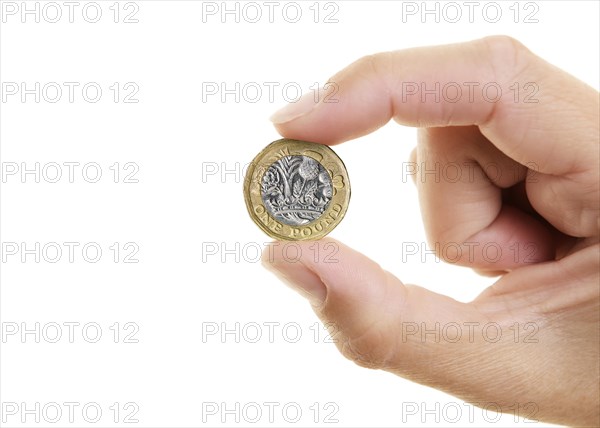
327,221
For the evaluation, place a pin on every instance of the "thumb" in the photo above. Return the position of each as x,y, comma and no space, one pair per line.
379,322
492,352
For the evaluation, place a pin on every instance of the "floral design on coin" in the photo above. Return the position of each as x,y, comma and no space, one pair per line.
296,190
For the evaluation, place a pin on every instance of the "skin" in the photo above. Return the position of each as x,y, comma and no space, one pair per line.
547,196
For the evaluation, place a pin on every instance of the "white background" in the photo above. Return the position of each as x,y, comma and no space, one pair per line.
175,216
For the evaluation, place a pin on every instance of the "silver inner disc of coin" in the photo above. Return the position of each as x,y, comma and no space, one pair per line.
296,190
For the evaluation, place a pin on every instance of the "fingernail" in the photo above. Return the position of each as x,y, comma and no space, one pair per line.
304,105
300,278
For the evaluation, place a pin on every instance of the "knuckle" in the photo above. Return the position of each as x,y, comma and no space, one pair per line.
507,56
370,350
502,47
376,64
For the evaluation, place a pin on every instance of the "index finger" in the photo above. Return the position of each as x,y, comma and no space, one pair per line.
532,111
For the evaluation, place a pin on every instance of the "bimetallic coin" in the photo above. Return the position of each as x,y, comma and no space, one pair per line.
296,190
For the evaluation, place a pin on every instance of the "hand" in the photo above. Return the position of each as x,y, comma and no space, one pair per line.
552,206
